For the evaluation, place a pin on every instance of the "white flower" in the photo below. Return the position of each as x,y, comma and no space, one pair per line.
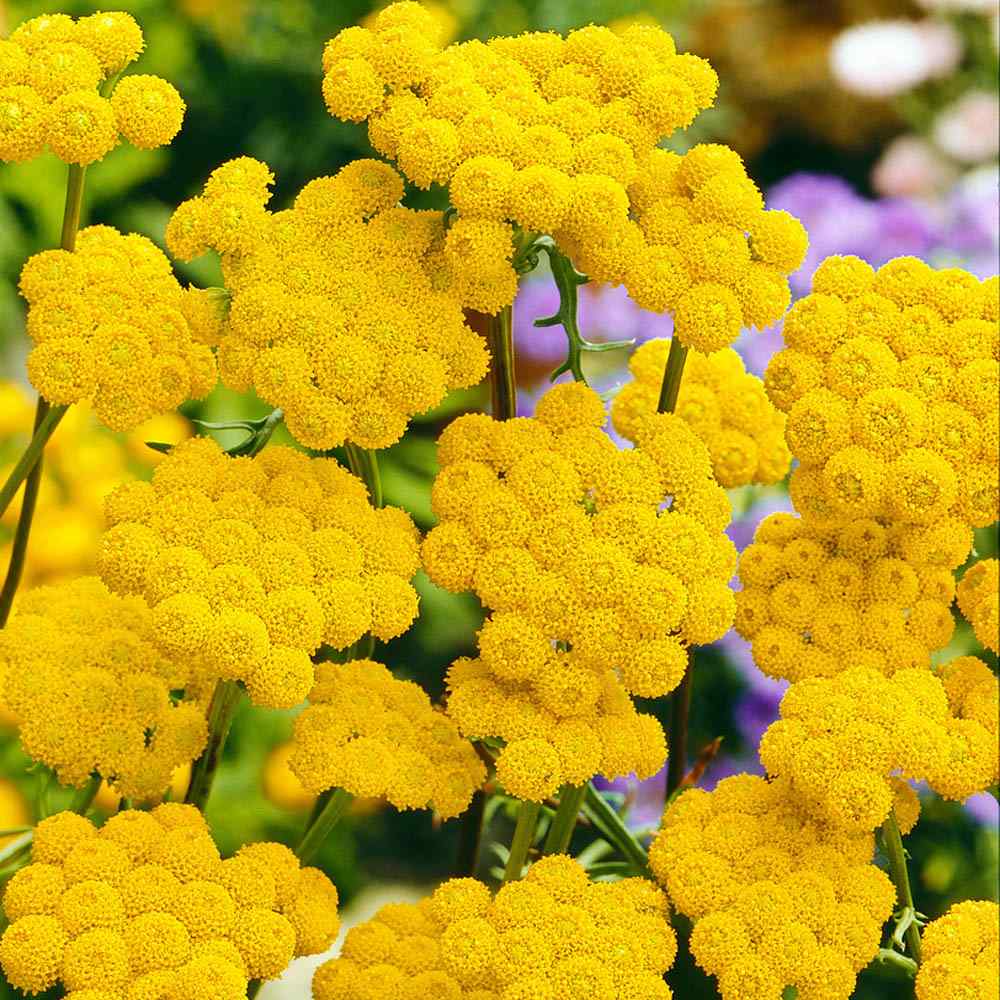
885,58
969,130
910,167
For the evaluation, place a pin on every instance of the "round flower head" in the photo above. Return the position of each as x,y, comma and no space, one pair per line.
460,942
978,600
596,592
107,323
726,407
884,379
351,334
249,565
93,693
375,736
767,886
816,599
156,912
148,110
960,953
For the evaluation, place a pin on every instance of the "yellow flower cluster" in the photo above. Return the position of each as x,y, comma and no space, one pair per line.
889,380
960,954
337,314
778,898
146,908
552,935
249,564
108,321
375,736
51,72
91,692
979,601
839,739
721,402
596,593
559,136
83,463
817,599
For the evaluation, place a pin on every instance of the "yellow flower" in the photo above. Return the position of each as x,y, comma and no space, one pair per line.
149,111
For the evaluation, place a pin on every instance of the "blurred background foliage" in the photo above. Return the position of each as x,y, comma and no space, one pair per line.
879,153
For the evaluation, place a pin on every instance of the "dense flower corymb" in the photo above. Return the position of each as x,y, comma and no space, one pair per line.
146,907
108,323
335,315
92,692
596,593
817,599
373,735
889,380
839,739
554,934
545,134
778,898
249,565
960,953
721,402
50,70
979,601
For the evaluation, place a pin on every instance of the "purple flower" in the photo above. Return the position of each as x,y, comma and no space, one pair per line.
984,808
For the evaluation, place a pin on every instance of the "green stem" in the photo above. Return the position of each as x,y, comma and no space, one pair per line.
564,822
363,463
44,428
225,700
83,798
330,806
253,988
503,388
470,836
613,829
892,845
677,739
524,835
672,373
31,461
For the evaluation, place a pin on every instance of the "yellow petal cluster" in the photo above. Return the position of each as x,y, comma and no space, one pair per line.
338,313
375,736
92,692
596,592
544,134
960,953
890,382
83,463
817,599
778,898
721,402
250,564
555,934
839,739
979,601
146,907
51,69
108,323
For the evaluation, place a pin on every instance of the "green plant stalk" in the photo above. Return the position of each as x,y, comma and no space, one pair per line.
83,798
225,700
363,463
503,387
677,739
564,822
892,844
330,806
524,835
470,836
680,701
44,428
33,472
613,829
